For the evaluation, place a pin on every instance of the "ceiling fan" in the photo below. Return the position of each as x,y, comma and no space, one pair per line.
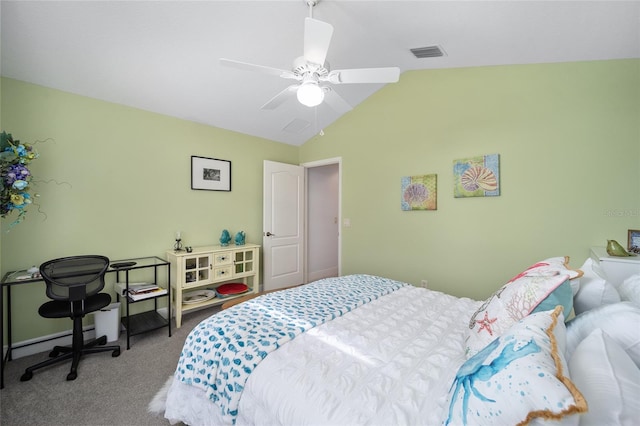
311,70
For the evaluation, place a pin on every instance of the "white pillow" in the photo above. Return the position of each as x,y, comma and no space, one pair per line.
519,377
608,379
594,290
630,289
621,321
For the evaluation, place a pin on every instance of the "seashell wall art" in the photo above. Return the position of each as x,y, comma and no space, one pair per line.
477,176
419,192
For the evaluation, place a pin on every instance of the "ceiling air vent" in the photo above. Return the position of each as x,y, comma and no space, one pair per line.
296,126
427,52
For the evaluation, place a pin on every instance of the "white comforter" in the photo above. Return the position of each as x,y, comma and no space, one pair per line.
390,361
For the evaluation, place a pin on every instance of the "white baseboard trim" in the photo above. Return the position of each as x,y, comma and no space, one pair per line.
62,338
46,343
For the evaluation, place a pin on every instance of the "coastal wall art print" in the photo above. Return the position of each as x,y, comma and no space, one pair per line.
477,176
419,192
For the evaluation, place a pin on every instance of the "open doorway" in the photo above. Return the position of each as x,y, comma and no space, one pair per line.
322,219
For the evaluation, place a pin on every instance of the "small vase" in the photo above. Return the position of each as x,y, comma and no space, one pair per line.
239,238
225,238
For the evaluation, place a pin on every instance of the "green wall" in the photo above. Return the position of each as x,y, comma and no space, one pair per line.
568,136
115,180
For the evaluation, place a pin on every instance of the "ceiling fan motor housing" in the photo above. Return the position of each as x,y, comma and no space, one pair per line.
302,68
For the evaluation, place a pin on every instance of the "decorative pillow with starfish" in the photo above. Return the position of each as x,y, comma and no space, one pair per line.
520,378
512,302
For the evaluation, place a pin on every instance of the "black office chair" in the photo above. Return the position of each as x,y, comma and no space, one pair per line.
74,284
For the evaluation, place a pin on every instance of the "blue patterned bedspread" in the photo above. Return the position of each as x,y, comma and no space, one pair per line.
221,352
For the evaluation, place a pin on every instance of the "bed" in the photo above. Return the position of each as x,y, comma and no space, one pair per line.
364,349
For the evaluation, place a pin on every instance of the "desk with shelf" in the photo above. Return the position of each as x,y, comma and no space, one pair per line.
209,267
149,320
21,277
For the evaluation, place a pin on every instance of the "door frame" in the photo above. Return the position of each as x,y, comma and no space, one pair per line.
307,166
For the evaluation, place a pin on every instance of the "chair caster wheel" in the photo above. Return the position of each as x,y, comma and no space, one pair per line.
115,353
26,376
72,376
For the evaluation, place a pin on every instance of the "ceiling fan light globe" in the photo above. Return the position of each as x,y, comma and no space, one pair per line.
310,94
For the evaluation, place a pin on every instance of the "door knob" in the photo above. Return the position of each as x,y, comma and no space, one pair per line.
269,234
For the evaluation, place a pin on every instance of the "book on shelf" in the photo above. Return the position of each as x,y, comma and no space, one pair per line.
159,291
135,288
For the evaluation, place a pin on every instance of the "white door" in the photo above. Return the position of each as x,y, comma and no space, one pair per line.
283,225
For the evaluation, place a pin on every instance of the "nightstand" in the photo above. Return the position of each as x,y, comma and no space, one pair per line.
613,268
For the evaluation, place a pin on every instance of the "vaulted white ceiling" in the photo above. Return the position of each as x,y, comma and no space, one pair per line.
163,56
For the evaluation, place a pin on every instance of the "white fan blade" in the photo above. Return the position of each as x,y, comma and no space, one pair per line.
259,68
317,37
364,75
335,101
281,97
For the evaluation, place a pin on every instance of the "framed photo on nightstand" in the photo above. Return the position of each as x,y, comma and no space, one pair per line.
633,244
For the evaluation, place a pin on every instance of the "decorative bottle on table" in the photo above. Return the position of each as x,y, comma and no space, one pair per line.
240,238
225,238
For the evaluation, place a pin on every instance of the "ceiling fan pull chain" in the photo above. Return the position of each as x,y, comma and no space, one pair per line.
321,132
315,114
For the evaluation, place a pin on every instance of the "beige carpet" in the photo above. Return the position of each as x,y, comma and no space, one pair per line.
108,391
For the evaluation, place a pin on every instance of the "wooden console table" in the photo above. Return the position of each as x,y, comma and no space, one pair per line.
205,268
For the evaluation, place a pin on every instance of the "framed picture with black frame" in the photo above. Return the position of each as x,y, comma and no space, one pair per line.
210,174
